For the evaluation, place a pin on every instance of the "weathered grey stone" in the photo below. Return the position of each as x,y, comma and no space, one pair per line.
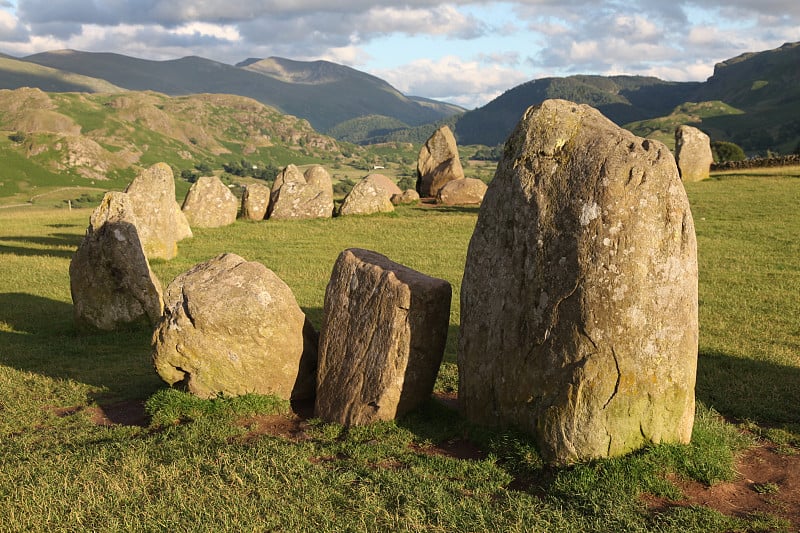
579,296
438,163
409,196
161,222
467,191
210,204
384,181
232,327
382,340
110,279
302,196
367,196
692,153
255,201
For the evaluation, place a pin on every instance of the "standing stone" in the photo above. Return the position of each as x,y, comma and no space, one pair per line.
468,191
579,296
366,197
438,163
382,340
297,196
255,201
409,196
161,222
233,327
388,185
693,153
210,204
110,279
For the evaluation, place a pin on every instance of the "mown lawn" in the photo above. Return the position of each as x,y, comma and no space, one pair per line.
210,466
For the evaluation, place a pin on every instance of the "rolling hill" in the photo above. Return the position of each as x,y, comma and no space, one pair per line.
74,139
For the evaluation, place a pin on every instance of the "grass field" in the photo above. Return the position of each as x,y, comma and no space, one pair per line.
214,465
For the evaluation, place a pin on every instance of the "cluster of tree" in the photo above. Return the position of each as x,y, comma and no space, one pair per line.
258,170
724,151
488,153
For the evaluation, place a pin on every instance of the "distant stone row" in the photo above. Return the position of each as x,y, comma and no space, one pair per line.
578,304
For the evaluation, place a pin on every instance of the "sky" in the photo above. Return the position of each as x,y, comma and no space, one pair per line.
465,52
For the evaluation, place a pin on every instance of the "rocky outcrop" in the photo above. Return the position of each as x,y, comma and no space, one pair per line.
232,327
382,340
210,204
111,282
693,153
297,196
161,222
468,191
438,163
367,196
579,296
255,201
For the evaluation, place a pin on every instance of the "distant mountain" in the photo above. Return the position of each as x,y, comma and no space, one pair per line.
17,73
752,100
321,92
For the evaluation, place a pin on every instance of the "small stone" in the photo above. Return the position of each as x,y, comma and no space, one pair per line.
210,204
467,191
693,153
255,201
438,162
367,196
161,223
233,327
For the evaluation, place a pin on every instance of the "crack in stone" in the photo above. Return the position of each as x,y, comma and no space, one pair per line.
619,376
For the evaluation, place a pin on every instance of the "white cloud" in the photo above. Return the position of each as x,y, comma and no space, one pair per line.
466,83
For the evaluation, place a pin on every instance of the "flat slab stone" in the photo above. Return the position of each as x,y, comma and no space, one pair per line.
382,340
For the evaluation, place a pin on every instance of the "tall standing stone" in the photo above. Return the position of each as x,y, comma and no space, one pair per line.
579,297
233,327
210,204
255,201
111,282
692,153
438,163
382,340
297,196
161,222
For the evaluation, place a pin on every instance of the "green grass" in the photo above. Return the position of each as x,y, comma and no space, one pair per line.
204,465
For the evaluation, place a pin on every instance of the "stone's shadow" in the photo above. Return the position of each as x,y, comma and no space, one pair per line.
53,240
432,208
29,252
744,389
43,340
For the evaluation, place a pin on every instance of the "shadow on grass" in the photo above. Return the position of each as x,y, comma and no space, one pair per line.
745,389
54,240
44,341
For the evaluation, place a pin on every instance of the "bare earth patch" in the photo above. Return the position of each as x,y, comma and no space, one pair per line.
768,482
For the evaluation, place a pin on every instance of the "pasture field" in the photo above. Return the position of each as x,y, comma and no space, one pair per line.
76,452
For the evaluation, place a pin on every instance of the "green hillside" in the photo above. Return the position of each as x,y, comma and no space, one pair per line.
51,140
757,96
